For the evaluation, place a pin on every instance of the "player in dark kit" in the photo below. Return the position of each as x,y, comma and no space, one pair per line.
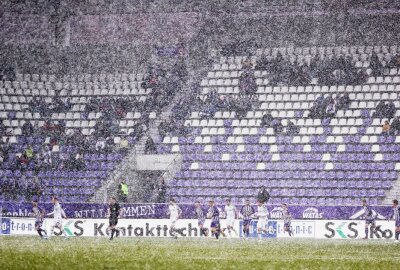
39,217
200,219
369,217
247,213
396,216
213,213
114,212
287,219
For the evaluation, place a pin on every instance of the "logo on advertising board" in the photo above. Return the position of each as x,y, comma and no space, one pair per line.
299,228
360,215
5,226
148,228
22,226
73,228
271,229
276,213
354,229
312,213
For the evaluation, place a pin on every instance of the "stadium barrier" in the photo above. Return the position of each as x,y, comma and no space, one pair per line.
320,229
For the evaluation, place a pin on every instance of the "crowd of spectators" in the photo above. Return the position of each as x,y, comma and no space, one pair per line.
327,106
385,110
332,70
268,120
24,188
57,105
393,128
214,102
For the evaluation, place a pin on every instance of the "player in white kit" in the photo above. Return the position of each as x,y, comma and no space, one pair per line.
262,215
174,212
58,214
231,215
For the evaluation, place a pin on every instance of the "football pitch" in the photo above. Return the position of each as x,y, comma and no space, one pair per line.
190,253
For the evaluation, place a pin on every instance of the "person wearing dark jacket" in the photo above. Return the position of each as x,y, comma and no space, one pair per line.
263,195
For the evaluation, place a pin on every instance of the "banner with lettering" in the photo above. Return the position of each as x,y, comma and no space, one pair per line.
160,211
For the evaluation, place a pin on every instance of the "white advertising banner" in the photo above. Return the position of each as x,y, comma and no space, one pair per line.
322,229
353,229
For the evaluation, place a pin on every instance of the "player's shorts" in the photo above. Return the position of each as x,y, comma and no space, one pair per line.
369,221
200,222
113,221
286,224
397,223
215,224
172,221
38,224
57,223
262,224
246,222
230,222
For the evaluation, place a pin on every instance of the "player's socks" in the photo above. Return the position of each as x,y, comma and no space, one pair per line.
366,232
397,235
40,232
112,234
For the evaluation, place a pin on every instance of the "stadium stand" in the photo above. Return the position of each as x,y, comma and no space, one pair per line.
73,149
333,160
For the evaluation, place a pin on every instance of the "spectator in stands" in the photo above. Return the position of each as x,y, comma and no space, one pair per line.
263,195
123,192
394,62
46,156
150,147
266,120
3,129
247,83
277,126
1,157
380,110
318,109
9,73
29,152
386,128
162,190
376,65
291,129
77,162
138,131
27,129
330,109
343,102
64,160
390,110
22,162
100,144
395,125
123,144
5,148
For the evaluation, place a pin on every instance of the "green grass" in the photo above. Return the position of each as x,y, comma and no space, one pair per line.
123,253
